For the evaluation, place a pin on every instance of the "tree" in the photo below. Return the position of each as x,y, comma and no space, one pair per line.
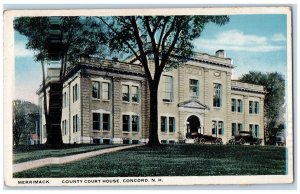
25,116
162,41
274,84
64,39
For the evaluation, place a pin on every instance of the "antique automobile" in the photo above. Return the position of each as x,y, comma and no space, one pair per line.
245,137
201,139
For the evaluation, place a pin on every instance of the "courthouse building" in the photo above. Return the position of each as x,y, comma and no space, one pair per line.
107,101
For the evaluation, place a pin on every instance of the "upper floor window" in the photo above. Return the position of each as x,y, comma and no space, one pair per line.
239,105
105,91
256,107
217,98
75,93
65,99
194,88
95,89
168,88
125,93
134,94
253,107
233,105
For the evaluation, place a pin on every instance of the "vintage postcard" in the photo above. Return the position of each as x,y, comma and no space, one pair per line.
148,97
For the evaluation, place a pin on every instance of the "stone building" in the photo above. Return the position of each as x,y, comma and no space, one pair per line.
107,101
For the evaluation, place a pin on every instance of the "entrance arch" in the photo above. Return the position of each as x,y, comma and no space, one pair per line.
193,124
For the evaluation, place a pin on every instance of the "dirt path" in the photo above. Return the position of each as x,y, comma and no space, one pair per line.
65,159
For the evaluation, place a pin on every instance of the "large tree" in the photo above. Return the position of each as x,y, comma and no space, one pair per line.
64,39
163,42
274,84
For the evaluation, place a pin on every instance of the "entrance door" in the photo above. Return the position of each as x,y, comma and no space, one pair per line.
193,124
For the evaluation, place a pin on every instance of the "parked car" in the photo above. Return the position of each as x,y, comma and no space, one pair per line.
280,139
245,137
202,139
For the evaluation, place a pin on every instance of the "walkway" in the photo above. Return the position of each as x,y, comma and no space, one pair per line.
66,159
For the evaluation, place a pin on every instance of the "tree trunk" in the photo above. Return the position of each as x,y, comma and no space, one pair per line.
153,128
54,136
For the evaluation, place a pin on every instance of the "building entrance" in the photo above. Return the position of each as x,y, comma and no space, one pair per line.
193,125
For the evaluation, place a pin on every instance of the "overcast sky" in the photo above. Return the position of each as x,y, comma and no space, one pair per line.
254,42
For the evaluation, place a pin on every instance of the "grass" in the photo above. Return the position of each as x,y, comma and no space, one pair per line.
173,160
35,152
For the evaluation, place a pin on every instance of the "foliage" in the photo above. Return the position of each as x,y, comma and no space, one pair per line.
274,85
64,39
78,36
159,43
174,160
24,121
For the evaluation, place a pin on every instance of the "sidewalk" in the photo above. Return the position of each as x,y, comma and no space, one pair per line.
65,159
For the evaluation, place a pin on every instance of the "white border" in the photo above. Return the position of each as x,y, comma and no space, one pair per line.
9,88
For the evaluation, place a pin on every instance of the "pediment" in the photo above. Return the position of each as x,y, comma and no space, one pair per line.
194,104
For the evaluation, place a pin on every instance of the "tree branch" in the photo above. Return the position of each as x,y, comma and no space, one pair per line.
127,43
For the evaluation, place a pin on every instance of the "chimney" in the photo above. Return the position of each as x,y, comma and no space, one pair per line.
221,53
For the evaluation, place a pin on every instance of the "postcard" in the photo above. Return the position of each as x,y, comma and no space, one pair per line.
132,97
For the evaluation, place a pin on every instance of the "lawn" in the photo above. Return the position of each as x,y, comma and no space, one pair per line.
173,160
34,152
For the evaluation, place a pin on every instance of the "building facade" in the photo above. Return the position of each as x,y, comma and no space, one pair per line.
107,102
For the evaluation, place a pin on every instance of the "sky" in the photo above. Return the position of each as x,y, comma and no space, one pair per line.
254,42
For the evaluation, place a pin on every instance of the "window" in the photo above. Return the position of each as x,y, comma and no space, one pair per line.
220,128
125,93
105,91
134,94
96,121
168,90
76,126
240,127
240,105
171,124
135,123
95,91
214,126
194,88
233,105
250,107
75,93
106,122
64,127
233,129
64,100
44,131
217,98
126,120
256,107
217,128
163,124
256,132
